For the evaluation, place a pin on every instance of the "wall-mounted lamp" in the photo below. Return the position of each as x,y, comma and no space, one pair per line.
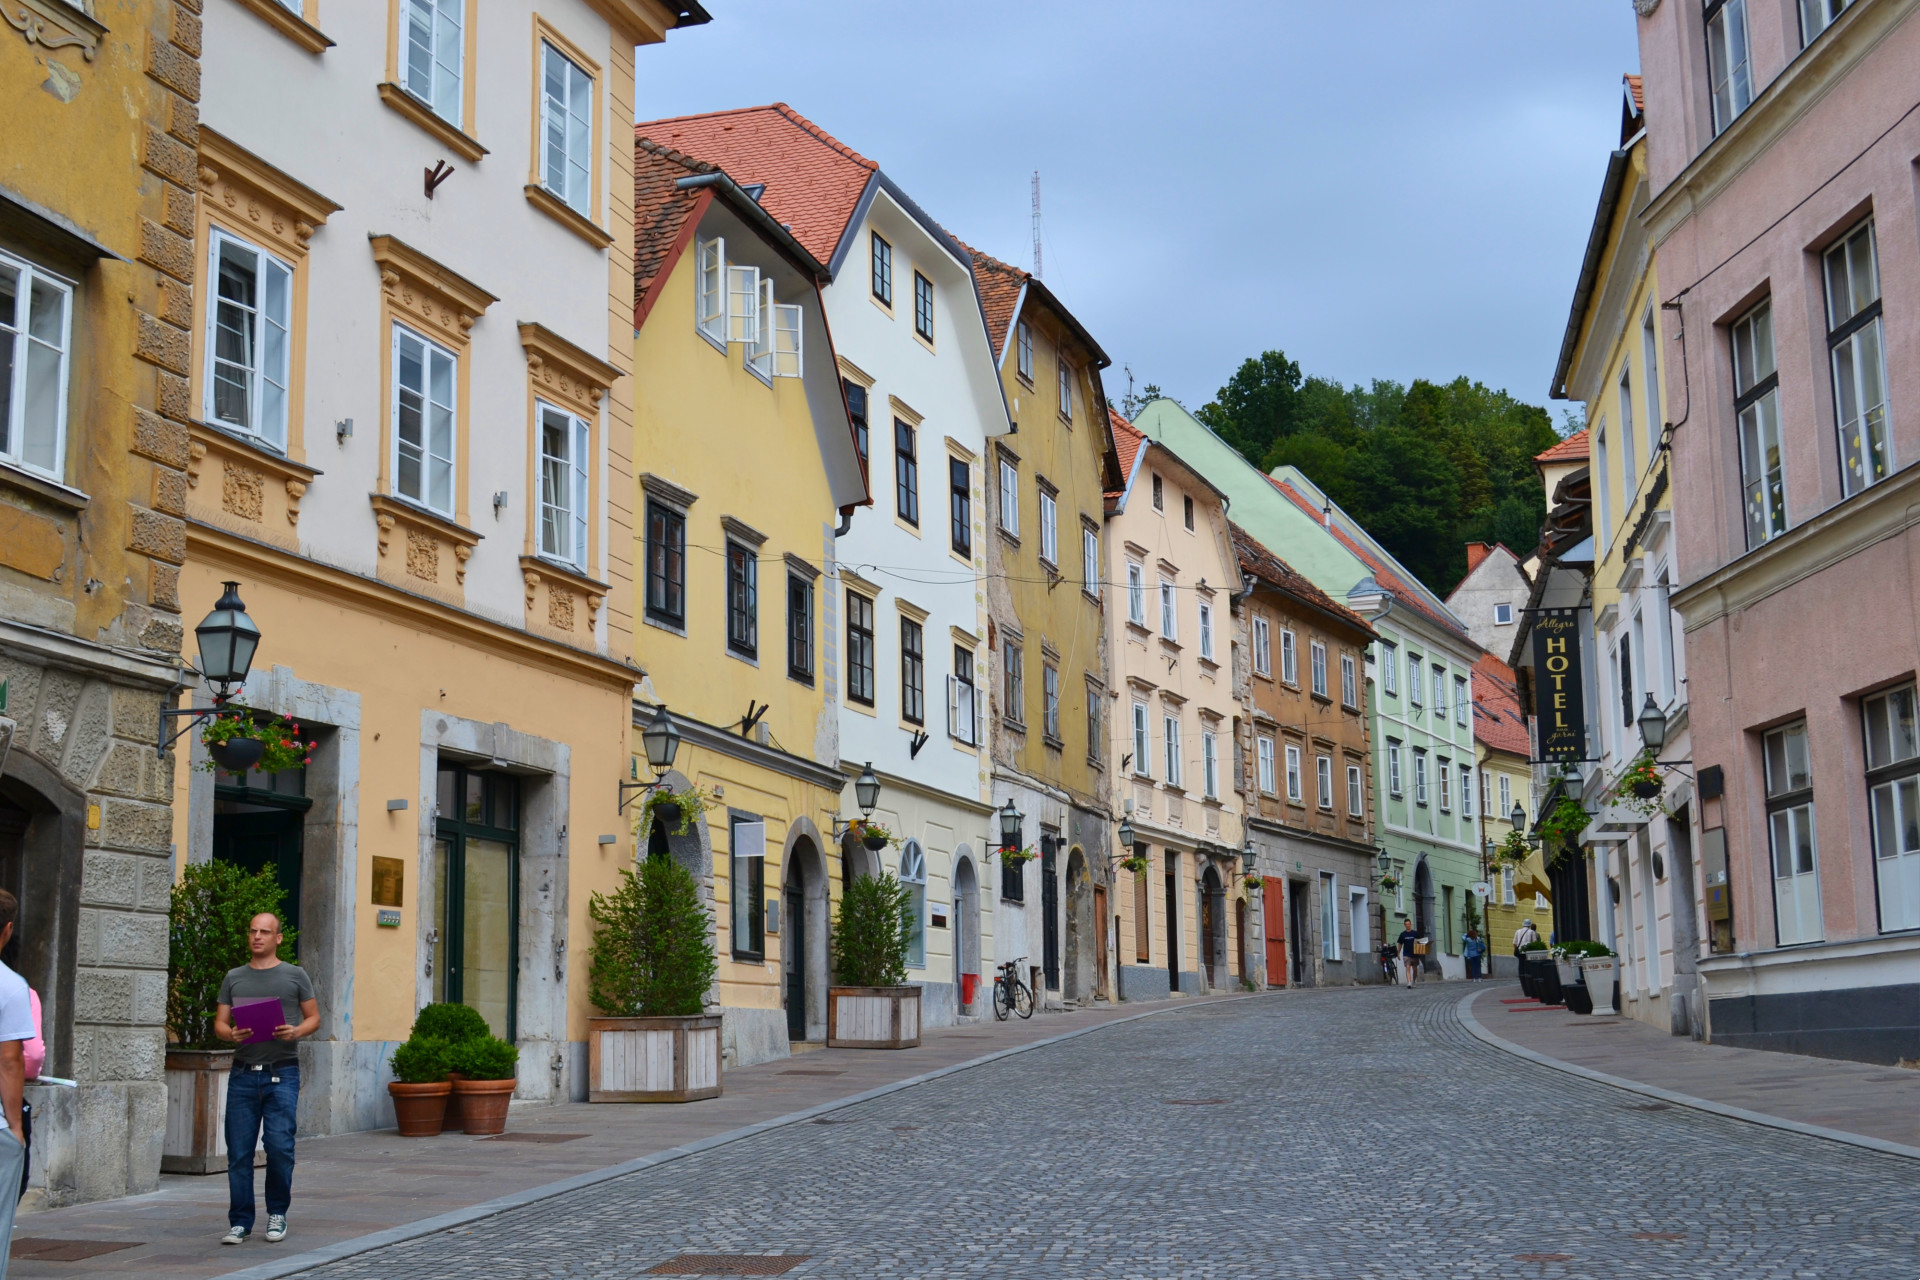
661,741
342,430
499,503
227,639
396,806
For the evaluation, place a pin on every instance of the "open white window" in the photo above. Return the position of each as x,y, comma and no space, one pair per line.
1009,498
1170,727
1354,796
1136,595
1294,784
36,319
1264,751
1206,630
1210,762
786,339
743,305
1049,528
249,340
760,349
1289,657
435,52
566,450
710,289
423,420
566,134
1141,744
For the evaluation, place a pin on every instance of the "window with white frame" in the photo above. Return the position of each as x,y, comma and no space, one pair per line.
1349,682
1355,793
1317,661
1756,391
913,878
566,135
1025,364
1289,657
1049,529
436,55
1136,595
1893,795
1323,776
1506,797
1170,727
1854,339
966,708
1461,701
710,289
1050,700
743,304
1503,614
1629,472
1506,886
1419,777
1729,70
1650,379
1443,771
1817,15
1159,493
36,340
424,420
1089,560
1210,763
1393,766
1294,782
1467,793
1013,682
787,338
1329,917
1439,693
1142,741
759,352
1169,617
1066,388
1206,630
1262,648
1414,679
1009,498
1390,668
1264,753
1790,835
566,458
249,340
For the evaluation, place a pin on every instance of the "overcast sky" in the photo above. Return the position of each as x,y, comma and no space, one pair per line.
1380,188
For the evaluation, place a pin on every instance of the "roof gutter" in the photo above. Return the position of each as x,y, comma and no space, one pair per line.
751,210
1590,268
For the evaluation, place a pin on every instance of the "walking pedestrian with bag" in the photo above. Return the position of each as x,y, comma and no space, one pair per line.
1409,952
263,1093
1522,936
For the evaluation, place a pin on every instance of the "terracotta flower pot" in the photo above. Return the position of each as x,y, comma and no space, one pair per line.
454,1123
420,1109
483,1104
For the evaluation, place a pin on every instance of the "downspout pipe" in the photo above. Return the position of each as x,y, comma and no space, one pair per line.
846,522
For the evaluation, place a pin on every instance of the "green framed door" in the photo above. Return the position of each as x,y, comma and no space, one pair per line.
476,894
258,822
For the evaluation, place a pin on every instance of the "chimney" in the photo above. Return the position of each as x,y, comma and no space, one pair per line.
1476,552
1326,514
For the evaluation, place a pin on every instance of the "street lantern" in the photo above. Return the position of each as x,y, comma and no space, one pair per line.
1009,826
1248,855
1126,835
661,740
1384,861
1519,815
866,790
1653,726
227,639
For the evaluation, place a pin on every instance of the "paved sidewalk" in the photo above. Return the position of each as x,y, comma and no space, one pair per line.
1873,1106
352,1185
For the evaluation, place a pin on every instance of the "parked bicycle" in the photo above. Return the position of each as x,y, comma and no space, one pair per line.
1010,993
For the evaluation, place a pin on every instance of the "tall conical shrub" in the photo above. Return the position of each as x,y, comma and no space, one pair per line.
872,933
652,954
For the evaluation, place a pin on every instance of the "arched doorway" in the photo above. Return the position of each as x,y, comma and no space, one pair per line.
1212,942
1081,929
803,940
966,929
1423,907
42,830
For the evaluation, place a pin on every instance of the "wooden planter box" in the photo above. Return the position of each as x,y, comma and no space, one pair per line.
873,1017
196,1137
653,1059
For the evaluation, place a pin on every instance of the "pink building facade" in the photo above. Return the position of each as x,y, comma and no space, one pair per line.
1782,154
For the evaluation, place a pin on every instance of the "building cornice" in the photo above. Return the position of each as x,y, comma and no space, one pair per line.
80,655
849,770
699,733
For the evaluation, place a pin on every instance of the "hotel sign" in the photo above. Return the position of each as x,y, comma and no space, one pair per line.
1559,688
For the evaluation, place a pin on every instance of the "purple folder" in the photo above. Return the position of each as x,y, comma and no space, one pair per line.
259,1015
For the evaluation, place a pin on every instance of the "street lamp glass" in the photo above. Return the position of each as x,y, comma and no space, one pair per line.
1247,856
227,639
1519,815
866,789
1126,836
1009,826
1653,726
661,740
1384,862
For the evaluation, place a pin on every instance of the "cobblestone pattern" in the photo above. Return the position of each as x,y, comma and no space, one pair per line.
1363,1135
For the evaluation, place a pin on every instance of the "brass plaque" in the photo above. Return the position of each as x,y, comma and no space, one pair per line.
389,876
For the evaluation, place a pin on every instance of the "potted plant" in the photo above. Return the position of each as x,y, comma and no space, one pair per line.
649,969
1253,882
680,808
420,1086
1137,864
482,1071
1598,968
456,1024
1638,787
871,1006
1018,857
240,740
211,906
1389,883
1566,966
871,834
1538,977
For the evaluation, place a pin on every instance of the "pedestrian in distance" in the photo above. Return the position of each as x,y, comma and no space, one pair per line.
1409,952
1473,949
33,1053
16,1029
1522,936
263,1093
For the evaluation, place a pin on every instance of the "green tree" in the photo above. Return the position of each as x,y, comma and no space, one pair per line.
652,956
1257,405
207,920
872,933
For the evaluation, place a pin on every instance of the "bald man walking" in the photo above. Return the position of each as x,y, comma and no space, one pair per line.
263,1093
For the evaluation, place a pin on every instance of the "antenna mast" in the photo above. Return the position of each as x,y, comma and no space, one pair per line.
1036,223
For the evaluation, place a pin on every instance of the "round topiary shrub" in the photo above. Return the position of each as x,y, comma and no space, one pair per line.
484,1057
422,1060
454,1023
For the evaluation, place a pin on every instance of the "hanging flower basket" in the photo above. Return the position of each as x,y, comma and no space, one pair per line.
1389,882
1254,883
871,834
238,741
1137,865
1564,824
1017,857
1513,849
1639,786
680,808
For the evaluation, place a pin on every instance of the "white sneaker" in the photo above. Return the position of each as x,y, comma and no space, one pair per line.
234,1235
276,1227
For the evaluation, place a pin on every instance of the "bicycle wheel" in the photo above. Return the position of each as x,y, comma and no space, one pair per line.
1023,999
1002,1003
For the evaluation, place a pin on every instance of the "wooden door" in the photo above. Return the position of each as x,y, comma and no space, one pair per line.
1276,914
1100,942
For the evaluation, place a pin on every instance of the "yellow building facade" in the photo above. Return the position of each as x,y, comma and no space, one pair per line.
745,464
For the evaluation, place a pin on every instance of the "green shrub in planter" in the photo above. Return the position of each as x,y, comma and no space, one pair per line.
652,954
484,1058
422,1060
207,935
1535,945
1581,948
872,933
454,1023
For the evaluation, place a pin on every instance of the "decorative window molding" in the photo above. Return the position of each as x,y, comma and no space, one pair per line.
299,23
54,25
564,373
664,490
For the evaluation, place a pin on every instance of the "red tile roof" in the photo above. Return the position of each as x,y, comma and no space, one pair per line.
1126,443
999,286
1275,572
1639,96
660,213
1496,709
1572,449
813,181
1389,578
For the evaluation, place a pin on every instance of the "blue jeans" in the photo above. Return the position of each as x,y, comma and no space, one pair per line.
267,1098
1473,966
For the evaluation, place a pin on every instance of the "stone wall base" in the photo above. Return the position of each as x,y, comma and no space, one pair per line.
97,1142
940,1004
1864,1024
752,1036
1143,982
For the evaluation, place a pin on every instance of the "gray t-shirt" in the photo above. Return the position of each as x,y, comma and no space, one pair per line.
291,984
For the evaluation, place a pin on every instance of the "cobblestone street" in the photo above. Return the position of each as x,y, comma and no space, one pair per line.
1358,1133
